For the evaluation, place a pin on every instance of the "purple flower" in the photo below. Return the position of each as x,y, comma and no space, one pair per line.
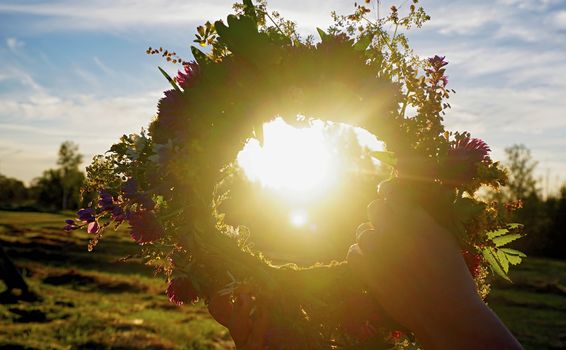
118,214
144,227
437,61
130,188
436,72
130,191
106,202
71,225
86,214
181,291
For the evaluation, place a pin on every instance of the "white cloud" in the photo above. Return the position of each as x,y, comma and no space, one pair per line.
14,74
37,123
559,19
14,44
506,62
105,15
112,14
103,66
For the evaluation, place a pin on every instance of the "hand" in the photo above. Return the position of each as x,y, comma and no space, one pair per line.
247,328
414,268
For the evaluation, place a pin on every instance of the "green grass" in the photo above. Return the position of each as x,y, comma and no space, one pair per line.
94,301
534,305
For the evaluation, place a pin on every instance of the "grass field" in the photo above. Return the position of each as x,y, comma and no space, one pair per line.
94,301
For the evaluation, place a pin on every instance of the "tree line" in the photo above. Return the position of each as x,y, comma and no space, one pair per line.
58,189
544,218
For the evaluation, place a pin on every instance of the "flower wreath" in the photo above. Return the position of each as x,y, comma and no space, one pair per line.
164,182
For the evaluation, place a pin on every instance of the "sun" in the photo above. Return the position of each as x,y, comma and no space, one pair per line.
292,161
298,163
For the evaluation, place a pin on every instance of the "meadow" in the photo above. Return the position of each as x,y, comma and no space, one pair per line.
98,300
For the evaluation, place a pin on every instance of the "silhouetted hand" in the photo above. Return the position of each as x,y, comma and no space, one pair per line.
415,270
247,324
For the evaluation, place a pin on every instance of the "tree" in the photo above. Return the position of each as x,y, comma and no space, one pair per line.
59,189
69,161
556,209
12,192
522,185
521,166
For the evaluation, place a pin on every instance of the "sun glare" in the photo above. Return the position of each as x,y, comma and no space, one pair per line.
298,217
293,161
299,164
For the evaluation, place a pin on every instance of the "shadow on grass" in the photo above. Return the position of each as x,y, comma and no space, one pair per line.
83,282
66,253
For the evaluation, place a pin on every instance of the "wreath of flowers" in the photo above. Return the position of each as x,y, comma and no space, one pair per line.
164,182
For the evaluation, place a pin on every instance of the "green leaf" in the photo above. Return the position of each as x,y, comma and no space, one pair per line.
169,79
510,251
385,157
497,233
491,257
514,226
249,9
363,43
322,34
200,56
514,259
503,240
502,257
200,30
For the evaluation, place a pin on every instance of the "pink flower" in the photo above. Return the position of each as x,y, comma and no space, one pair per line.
473,150
93,227
186,78
144,227
181,291
463,159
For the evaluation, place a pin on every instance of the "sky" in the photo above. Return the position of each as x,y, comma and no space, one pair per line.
77,70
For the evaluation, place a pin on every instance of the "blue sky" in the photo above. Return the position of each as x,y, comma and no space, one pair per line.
76,70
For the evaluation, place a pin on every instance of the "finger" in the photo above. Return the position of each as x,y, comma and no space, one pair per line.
363,227
355,255
378,213
360,265
220,308
240,322
256,339
369,242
